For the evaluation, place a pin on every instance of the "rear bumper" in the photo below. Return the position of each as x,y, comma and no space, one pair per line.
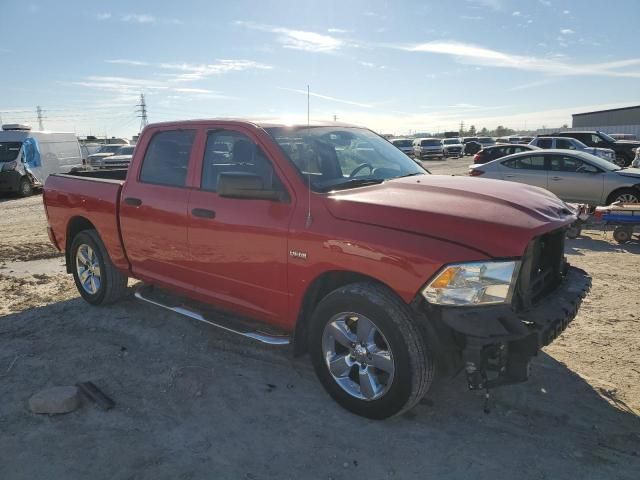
498,343
10,181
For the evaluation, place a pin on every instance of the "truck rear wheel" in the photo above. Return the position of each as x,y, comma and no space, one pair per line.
367,352
96,278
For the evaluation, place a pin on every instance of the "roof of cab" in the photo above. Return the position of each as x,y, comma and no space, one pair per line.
261,123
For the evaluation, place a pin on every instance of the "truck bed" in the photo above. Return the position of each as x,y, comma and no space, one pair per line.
82,199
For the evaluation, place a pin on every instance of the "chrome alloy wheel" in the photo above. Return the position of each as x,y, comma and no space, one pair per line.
88,269
358,356
627,198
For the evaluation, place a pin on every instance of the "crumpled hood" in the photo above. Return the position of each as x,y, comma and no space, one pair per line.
495,217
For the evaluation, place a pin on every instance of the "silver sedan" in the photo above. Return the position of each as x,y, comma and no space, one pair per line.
573,176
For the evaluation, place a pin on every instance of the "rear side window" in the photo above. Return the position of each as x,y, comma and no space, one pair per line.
233,152
167,158
533,162
564,144
544,143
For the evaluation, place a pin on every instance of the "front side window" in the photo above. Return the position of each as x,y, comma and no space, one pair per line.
531,162
9,151
167,158
342,157
596,140
233,152
562,163
565,144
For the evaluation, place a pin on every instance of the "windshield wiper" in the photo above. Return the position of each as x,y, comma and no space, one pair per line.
353,182
411,174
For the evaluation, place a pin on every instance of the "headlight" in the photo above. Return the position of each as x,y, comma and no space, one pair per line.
477,283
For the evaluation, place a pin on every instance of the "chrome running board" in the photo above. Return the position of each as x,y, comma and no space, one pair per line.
263,337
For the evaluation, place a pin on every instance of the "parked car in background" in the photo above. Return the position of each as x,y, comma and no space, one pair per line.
88,149
508,139
624,149
573,176
623,136
498,151
96,160
120,159
524,140
28,157
568,143
486,141
636,161
452,147
387,277
404,144
427,148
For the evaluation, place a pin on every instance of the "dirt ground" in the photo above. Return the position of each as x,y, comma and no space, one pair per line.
193,402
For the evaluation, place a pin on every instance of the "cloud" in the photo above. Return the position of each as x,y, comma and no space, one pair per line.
127,62
138,18
327,97
546,3
372,65
567,31
103,16
337,30
493,4
566,12
516,14
298,39
191,72
471,17
476,55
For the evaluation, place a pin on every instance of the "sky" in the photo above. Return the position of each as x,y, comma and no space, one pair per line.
396,67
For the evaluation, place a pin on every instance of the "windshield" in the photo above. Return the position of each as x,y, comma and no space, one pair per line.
128,150
402,143
607,137
109,148
486,140
336,157
451,141
9,151
434,142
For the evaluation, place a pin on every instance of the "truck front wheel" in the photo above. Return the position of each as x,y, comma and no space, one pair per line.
367,351
96,278
25,189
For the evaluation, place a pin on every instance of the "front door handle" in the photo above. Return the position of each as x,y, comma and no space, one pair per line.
135,202
203,213
509,176
556,178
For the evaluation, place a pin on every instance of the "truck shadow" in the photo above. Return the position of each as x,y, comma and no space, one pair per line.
193,399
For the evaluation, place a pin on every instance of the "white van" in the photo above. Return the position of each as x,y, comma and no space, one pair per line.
27,158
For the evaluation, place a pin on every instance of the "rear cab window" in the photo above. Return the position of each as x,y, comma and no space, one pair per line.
166,160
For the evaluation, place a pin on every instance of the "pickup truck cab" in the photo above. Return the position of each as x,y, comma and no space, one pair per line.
624,149
387,276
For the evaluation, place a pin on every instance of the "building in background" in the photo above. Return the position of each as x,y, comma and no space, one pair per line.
616,120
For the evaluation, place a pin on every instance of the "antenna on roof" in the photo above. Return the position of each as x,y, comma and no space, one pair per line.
309,220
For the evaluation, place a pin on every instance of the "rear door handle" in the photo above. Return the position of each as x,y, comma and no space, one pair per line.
556,178
135,202
203,213
509,176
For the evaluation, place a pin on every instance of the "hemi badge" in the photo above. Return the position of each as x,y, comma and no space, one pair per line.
298,254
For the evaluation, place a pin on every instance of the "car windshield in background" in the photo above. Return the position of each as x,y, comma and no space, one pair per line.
345,157
607,137
431,143
402,143
109,148
451,141
9,151
128,150
486,140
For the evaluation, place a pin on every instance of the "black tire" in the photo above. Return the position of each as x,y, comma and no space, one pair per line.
413,365
622,234
113,284
25,189
629,193
573,231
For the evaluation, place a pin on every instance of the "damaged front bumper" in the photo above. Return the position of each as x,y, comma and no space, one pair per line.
498,342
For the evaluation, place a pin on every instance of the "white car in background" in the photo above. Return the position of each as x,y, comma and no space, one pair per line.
573,176
96,160
567,143
120,159
452,147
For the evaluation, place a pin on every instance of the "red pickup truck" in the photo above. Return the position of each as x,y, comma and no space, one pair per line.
328,237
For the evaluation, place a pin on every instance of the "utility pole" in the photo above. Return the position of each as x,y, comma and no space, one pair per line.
335,117
142,110
39,111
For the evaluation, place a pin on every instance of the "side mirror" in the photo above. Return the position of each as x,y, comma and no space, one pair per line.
247,186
